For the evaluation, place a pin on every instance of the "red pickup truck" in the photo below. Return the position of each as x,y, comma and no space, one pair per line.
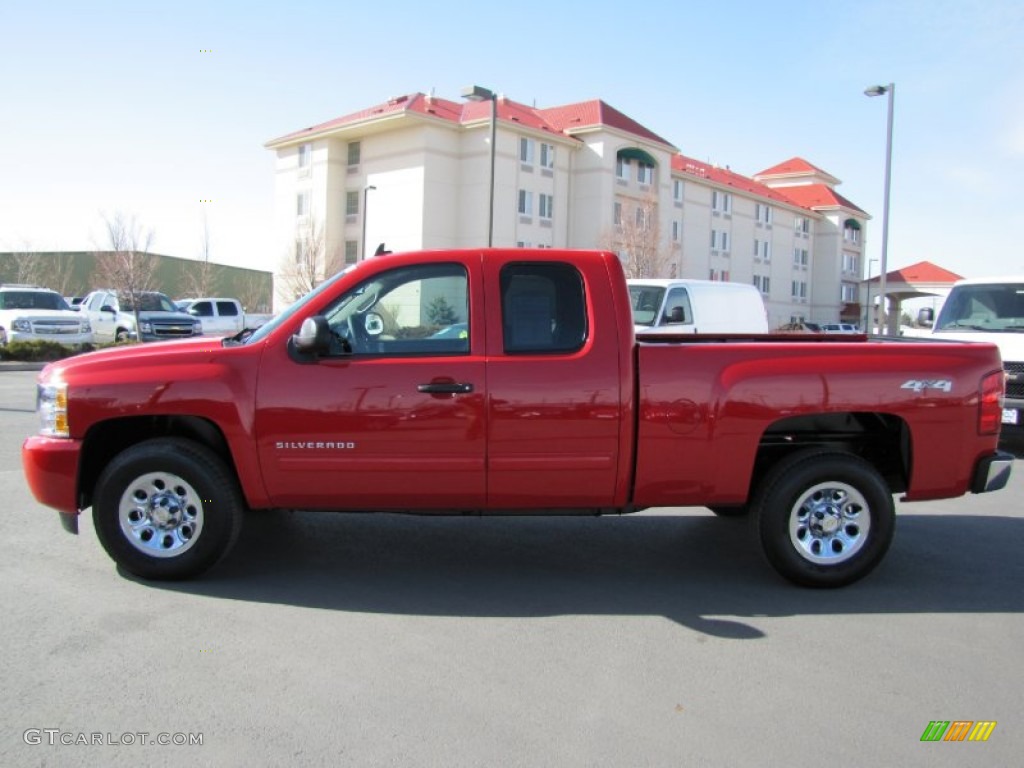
509,382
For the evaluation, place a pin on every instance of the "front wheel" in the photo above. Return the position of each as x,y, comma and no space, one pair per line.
825,518
167,509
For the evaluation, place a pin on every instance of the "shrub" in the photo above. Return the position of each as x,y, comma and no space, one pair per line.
38,351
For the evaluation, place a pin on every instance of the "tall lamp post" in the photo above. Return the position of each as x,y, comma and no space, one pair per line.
478,93
869,324
366,192
880,90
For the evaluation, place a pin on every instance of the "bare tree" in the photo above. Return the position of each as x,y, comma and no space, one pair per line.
252,294
636,237
62,274
28,267
201,277
309,264
127,266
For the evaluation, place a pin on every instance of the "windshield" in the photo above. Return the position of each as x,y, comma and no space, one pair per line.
148,302
266,329
645,301
32,300
997,307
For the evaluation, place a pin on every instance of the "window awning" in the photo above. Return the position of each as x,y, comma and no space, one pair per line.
635,153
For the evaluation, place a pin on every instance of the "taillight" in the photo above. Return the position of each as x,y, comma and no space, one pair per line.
990,412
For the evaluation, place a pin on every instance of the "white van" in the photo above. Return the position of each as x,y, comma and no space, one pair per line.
991,309
696,306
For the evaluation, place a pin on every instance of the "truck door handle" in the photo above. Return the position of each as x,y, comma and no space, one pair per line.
445,388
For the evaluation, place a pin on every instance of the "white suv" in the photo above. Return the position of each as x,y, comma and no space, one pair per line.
31,313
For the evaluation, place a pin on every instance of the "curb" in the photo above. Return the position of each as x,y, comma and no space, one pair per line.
17,366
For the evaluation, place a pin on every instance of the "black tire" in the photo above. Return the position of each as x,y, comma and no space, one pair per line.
739,511
121,335
167,509
825,518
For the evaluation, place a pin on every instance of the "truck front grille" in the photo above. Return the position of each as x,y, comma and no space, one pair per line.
1015,383
172,330
56,327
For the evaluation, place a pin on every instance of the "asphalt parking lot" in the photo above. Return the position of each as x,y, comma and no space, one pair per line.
660,639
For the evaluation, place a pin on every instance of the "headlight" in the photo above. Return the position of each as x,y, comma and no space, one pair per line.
22,325
86,328
146,326
197,328
52,406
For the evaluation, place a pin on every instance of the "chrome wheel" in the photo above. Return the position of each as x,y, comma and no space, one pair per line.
160,514
829,523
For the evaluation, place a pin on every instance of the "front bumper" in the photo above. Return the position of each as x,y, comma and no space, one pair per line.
51,469
992,473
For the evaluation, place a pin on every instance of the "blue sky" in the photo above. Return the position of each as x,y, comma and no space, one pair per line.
113,107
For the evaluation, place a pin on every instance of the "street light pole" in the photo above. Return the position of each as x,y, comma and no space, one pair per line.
478,93
366,191
869,324
879,90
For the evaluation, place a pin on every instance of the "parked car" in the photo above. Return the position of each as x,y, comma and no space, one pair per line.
32,313
839,328
113,317
545,403
991,309
220,317
74,302
696,306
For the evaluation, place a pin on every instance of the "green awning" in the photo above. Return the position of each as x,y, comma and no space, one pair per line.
851,224
635,153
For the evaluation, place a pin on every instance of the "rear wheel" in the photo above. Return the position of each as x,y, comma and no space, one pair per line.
167,509
824,518
121,335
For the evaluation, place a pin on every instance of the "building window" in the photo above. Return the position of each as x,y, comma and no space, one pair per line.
677,190
766,250
302,204
526,151
676,227
719,240
622,168
802,225
721,201
849,292
617,215
799,290
352,203
851,231
525,202
304,153
762,283
298,251
642,218
644,173
800,257
351,251
851,263
546,205
763,214
547,155
354,152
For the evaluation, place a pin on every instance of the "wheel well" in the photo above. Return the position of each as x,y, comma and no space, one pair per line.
105,440
880,439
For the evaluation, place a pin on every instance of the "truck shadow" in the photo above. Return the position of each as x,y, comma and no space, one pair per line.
702,572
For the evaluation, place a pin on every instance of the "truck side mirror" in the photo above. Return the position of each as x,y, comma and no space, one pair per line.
926,317
675,315
108,308
314,336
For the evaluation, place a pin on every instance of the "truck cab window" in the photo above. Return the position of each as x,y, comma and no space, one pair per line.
421,310
543,308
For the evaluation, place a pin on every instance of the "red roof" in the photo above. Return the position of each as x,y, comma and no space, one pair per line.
566,119
921,272
588,114
817,196
724,176
791,166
